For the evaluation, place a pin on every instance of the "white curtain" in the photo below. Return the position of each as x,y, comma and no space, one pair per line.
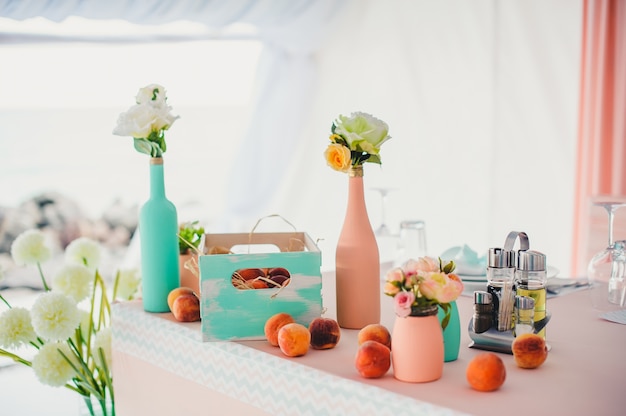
481,99
214,13
480,96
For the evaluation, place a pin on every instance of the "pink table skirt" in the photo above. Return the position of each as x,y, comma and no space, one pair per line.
161,367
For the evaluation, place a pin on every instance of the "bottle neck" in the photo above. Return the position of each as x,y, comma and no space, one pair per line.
356,194
157,182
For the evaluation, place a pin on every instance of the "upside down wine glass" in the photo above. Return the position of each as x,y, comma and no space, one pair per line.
383,229
607,269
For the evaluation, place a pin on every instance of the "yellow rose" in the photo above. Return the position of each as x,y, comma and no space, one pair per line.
338,157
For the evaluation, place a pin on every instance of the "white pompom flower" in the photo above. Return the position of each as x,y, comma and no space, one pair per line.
16,328
73,280
30,248
128,283
84,251
51,367
55,316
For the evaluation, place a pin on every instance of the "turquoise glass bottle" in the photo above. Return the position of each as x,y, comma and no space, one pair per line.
452,333
158,228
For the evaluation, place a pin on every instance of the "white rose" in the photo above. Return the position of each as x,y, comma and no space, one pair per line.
136,122
147,120
162,118
363,132
154,93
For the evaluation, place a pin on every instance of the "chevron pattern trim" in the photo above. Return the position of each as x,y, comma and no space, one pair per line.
231,368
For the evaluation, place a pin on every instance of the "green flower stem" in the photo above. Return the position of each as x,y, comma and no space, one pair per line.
5,301
105,306
14,357
91,329
116,284
84,378
106,375
43,279
37,344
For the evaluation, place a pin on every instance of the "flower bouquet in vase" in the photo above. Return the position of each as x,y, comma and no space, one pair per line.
354,141
146,122
419,288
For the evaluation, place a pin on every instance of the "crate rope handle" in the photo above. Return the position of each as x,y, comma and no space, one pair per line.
282,218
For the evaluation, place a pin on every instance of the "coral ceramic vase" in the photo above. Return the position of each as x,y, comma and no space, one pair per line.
417,347
452,333
158,228
357,265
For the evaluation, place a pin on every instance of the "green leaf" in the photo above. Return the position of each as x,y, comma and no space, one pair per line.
142,146
449,268
189,236
374,159
446,319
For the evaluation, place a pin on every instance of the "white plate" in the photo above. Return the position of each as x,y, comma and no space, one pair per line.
551,272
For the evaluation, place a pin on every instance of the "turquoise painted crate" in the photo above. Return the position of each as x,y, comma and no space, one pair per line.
229,313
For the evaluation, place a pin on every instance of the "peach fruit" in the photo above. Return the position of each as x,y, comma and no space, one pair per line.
249,274
274,271
257,284
485,372
273,325
375,332
279,280
529,350
186,308
174,293
373,359
325,333
294,339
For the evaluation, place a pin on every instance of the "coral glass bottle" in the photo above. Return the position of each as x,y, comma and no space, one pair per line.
158,228
357,268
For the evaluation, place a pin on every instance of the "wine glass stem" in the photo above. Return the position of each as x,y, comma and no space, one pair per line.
611,212
383,213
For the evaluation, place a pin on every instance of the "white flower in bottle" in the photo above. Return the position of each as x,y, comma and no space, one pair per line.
73,280
51,367
55,316
30,248
16,328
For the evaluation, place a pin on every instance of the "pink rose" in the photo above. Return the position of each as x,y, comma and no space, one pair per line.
410,267
432,285
395,275
391,289
428,264
402,303
421,265
441,288
448,293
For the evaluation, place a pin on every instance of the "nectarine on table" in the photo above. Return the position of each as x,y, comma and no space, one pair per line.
174,293
373,359
375,332
325,333
186,308
273,325
294,339
486,372
529,350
